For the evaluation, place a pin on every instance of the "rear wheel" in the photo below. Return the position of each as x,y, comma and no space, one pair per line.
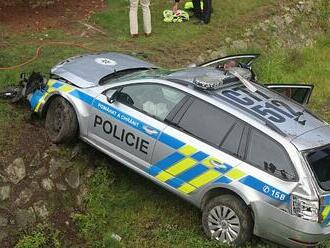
227,219
61,121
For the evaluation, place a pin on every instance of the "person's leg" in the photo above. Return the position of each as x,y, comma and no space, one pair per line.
197,9
207,11
133,19
146,16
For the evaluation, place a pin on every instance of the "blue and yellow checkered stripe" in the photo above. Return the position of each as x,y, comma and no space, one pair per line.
325,210
188,169
39,97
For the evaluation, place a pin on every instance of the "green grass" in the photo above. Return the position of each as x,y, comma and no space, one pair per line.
144,215
119,201
41,236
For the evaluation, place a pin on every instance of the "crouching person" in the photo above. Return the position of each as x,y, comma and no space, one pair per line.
202,12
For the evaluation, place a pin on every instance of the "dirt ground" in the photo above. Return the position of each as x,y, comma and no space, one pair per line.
59,15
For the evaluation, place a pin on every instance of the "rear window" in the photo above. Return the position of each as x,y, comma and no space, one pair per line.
319,160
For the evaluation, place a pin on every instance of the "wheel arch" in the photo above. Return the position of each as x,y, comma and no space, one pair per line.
45,108
221,190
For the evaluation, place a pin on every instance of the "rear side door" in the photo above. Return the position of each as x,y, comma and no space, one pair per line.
300,93
202,145
128,125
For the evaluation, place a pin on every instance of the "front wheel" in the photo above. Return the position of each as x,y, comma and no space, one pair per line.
61,121
227,219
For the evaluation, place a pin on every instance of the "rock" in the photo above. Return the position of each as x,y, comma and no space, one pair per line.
228,40
16,171
61,187
116,237
40,209
47,184
4,192
40,172
73,178
57,167
3,179
25,217
3,221
36,161
239,45
34,186
24,197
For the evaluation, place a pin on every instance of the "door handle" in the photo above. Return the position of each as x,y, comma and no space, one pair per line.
217,164
149,130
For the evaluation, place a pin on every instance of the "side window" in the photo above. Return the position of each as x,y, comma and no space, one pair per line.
269,156
155,100
209,124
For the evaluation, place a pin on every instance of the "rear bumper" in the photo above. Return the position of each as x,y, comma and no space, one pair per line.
276,225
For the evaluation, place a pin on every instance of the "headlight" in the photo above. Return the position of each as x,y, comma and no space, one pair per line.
305,209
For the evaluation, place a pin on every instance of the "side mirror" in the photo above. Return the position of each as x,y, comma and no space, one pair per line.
112,95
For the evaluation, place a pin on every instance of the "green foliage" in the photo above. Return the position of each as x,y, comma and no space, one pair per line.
43,236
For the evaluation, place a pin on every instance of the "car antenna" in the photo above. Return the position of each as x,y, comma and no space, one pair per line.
246,82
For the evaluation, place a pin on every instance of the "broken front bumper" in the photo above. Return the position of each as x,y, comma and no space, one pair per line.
281,227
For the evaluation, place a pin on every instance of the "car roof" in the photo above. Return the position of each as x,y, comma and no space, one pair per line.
272,110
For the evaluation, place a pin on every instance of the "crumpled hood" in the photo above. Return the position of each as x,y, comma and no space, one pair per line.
87,70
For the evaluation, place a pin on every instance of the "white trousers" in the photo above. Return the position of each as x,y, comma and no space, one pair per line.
133,18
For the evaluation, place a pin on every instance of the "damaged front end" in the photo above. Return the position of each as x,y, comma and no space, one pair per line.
27,86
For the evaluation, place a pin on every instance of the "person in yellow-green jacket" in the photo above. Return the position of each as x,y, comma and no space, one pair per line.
202,13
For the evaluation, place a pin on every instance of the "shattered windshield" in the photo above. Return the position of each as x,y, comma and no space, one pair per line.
319,160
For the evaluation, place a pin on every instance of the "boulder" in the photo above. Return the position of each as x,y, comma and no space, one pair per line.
73,178
5,192
24,197
47,184
16,171
25,217
40,209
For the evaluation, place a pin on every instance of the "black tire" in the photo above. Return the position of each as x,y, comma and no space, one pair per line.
61,121
241,211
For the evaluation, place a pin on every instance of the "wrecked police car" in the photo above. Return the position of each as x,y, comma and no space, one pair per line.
254,161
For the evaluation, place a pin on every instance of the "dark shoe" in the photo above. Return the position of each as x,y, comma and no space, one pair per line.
147,35
134,35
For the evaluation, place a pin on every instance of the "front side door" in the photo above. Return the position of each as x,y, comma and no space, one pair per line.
128,124
300,93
